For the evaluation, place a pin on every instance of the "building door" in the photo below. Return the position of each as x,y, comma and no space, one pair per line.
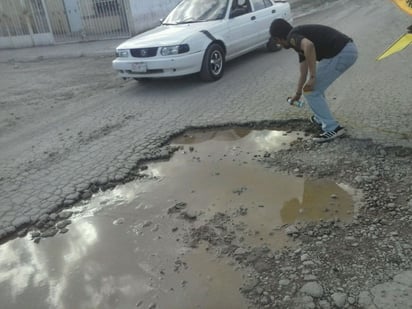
73,15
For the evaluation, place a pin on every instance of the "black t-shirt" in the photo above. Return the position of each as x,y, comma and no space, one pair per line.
328,41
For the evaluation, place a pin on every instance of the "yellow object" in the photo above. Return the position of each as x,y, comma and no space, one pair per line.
404,5
397,46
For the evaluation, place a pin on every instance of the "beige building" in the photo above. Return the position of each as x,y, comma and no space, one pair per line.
25,23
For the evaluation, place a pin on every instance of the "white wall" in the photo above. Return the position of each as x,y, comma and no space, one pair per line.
147,13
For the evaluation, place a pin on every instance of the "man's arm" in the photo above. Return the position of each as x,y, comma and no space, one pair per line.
302,79
310,55
303,68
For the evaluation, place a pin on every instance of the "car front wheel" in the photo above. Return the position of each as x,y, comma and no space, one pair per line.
213,63
142,79
272,46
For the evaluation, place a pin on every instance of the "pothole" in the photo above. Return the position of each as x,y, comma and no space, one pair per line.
151,242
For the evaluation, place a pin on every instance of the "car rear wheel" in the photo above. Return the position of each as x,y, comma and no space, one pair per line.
213,64
272,46
141,79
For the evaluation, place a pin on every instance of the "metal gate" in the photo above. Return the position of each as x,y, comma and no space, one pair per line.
24,23
75,20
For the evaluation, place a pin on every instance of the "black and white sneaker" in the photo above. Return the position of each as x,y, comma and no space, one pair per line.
328,136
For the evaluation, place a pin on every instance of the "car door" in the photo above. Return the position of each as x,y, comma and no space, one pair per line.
242,28
265,12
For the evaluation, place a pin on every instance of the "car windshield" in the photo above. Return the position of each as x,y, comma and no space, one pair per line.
193,11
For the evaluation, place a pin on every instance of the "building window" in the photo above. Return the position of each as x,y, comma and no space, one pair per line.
106,7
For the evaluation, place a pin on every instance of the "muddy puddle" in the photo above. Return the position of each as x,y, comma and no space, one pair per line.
127,247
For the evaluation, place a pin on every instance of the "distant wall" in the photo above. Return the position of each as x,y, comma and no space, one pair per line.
147,13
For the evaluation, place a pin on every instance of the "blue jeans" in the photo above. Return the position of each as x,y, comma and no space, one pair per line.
328,70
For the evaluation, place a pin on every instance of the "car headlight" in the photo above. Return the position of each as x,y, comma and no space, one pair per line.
122,53
174,50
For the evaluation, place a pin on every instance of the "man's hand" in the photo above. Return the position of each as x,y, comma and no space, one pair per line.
309,85
296,97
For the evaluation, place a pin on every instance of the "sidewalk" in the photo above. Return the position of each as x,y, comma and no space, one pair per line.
69,50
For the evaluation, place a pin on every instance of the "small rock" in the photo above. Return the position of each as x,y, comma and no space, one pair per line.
364,299
308,263
240,251
65,215
291,230
64,231
313,289
339,299
147,223
176,208
262,266
63,224
307,302
189,215
324,304
35,234
118,221
49,233
310,278
264,300
152,306
284,282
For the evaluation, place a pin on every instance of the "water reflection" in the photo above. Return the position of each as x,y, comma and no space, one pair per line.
247,139
45,267
76,270
102,265
320,200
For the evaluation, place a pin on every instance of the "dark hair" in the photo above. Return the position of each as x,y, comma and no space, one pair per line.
280,28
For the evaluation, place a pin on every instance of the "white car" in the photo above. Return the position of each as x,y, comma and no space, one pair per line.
199,36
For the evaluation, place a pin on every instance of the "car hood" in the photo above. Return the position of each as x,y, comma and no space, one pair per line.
167,35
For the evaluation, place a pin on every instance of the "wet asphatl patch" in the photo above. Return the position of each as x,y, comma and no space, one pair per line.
134,246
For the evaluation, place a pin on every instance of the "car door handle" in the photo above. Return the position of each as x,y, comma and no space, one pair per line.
253,18
273,11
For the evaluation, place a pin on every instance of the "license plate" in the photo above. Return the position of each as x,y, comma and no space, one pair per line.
139,67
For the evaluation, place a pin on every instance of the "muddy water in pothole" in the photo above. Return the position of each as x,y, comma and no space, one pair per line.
124,249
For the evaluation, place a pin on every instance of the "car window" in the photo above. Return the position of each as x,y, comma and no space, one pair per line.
240,7
267,3
261,4
192,11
